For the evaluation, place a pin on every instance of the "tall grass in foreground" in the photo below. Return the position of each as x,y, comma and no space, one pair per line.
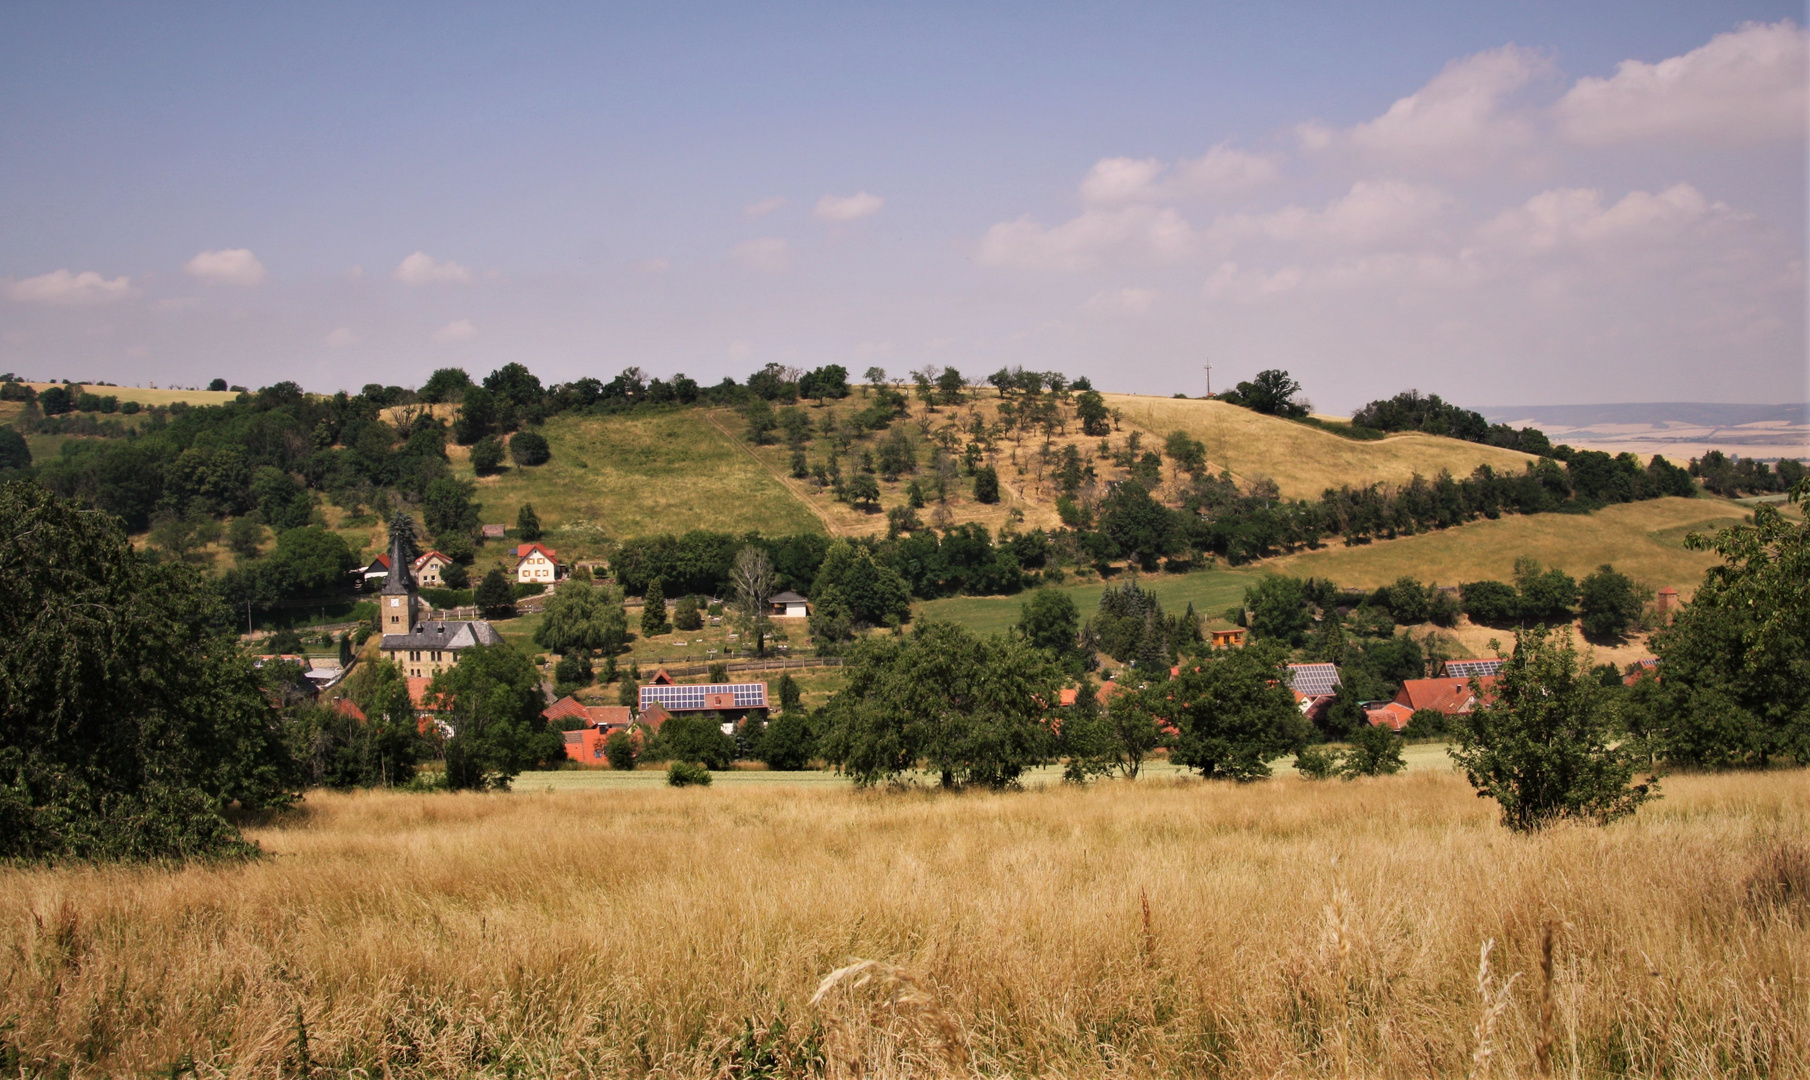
1278,929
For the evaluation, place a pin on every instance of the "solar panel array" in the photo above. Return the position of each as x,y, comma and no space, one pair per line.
693,698
1313,680
1472,669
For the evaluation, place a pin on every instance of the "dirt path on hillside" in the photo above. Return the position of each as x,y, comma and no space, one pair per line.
785,481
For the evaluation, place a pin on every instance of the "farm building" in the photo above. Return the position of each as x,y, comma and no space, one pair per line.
726,698
790,605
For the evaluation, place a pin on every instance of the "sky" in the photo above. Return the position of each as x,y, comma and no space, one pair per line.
1539,203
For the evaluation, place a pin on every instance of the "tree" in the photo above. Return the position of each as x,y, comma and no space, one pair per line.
1118,736
492,701
1546,596
1051,623
495,597
949,386
445,384
1279,609
653,611
395,746
1090,409
130,718
245,536
1138,526
582,617
852,584
1234,712
875,376
527,523
447,508
217,386
968,710
628,693
864,492
1491,603
697,737
754,582
1272,392
529,448
480,414
786,745
1543,744
986,484
619,751
14,452
1375,751
1609,603
686,614
1734,690
455,575
487,455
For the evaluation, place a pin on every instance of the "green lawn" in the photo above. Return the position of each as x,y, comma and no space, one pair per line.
1211,591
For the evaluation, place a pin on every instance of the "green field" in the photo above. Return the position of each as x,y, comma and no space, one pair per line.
617,477
1210,591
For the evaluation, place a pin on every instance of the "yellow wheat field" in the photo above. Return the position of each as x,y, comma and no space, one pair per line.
1173,928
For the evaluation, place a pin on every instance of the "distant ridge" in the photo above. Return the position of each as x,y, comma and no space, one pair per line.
1695,413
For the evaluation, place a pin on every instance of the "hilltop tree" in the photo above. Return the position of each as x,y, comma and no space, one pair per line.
1544,742
1272,393
1090,409
445,384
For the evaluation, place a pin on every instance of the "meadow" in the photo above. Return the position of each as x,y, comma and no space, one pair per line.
1165,927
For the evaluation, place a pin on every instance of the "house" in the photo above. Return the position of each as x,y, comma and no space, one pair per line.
536,563
705,697
1451,696
790,605
586,744
493,532
376,573
422,649
605,717
428,567
1223,639
1390,714
1315,687
348,708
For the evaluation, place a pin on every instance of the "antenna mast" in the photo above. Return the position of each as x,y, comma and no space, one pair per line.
1209,367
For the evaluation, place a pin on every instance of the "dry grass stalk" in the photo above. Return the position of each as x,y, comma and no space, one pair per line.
1543,1048
1492,1001
904,997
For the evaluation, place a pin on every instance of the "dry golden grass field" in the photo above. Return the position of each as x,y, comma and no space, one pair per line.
147,396
1644,540
1167,928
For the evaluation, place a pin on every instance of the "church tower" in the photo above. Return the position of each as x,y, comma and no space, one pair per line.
398,604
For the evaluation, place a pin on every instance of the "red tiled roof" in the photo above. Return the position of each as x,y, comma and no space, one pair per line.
1070,694
421,559
660,678
655,715
564,707
522,551
613,716
418,691
1393,716
1449,696
347,707
585,744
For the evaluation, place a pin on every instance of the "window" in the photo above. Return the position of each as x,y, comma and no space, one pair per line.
415,654
436,656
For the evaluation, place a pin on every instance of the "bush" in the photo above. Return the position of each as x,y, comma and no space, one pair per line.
1375,751
1610,603
456,576
685,615
986,484
787,744
685,774
487,455
1427,724
1317,762
525,589
573,670
529,448
619,751
1491,603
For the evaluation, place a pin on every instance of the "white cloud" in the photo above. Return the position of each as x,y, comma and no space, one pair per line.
455,332
769,253
1227,281
341,337
1373,212
1131,232
1220,171
763,207
64,289
1121,302
230,266
1463,118
1743,87
1575,218
851,208
421,269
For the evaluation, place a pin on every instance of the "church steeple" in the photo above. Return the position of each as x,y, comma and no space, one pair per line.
397,602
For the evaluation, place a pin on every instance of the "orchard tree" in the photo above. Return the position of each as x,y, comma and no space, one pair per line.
754,581
1233,712
986,484
1544,743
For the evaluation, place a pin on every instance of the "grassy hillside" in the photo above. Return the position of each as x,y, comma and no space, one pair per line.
1210,591
1644,539
618,477
1305,461
147,396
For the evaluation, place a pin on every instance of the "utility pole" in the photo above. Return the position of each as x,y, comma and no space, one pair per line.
1209,366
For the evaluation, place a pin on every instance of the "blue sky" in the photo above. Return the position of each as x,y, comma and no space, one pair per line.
1541,203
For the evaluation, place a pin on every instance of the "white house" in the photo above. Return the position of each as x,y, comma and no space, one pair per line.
428,567
790,605
536,564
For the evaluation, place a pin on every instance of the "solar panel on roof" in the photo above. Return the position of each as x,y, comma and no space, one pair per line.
1313,680
1469,669
698,698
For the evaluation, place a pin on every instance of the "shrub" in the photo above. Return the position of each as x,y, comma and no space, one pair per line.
529,448
685,774
787,744
573,670
456,576
685,614
1375,751
1610,603
619,751
986,484
487,455
1491,603
1317,762
1427,724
